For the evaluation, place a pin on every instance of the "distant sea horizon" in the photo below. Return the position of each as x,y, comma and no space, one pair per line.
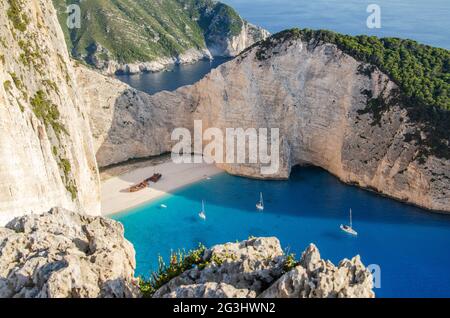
424,21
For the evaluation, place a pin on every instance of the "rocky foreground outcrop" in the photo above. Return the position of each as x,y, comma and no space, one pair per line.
258,267
63,254
314,93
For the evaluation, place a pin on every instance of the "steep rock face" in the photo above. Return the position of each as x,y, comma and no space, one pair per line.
257,268
45,140
127,123
233,45
318,97
62,254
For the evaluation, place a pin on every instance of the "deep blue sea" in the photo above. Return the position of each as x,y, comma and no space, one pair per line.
172,78
409,244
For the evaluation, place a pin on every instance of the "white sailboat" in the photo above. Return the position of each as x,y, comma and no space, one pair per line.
349,228
260,204
202,213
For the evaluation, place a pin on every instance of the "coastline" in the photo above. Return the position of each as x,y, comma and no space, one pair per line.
115,198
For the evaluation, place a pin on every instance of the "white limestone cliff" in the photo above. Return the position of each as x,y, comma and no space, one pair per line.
127,123
46,149
314,93
234,45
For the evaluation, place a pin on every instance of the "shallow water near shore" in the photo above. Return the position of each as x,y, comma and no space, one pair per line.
408,243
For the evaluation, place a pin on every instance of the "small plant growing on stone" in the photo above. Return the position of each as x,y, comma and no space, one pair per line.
179,263
7,86
290,263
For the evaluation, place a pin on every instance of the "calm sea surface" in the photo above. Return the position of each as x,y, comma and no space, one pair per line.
425,21
173,78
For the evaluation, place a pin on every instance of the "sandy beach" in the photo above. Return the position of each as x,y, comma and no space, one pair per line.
115,198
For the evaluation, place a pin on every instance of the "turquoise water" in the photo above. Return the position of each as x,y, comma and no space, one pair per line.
409,244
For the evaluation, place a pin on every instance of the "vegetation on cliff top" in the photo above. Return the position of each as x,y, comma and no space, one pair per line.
422,72
135,31
179,263
182,261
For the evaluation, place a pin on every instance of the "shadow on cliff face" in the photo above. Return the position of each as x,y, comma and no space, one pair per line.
133,120
124,122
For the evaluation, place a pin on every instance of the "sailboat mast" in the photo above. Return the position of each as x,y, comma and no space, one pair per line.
351,223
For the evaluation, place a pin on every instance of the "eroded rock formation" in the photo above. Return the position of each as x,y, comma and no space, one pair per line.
257,268
63,254
315,94
46,150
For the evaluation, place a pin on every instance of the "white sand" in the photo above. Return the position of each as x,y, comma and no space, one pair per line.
115,198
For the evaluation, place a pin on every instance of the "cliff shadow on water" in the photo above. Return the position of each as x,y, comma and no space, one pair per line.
362,130
142,124
311,192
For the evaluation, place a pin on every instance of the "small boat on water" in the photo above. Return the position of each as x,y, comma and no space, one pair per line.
349,228
202,213
163,206
260,204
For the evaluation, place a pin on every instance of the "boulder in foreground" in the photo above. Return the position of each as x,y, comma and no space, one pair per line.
62,254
